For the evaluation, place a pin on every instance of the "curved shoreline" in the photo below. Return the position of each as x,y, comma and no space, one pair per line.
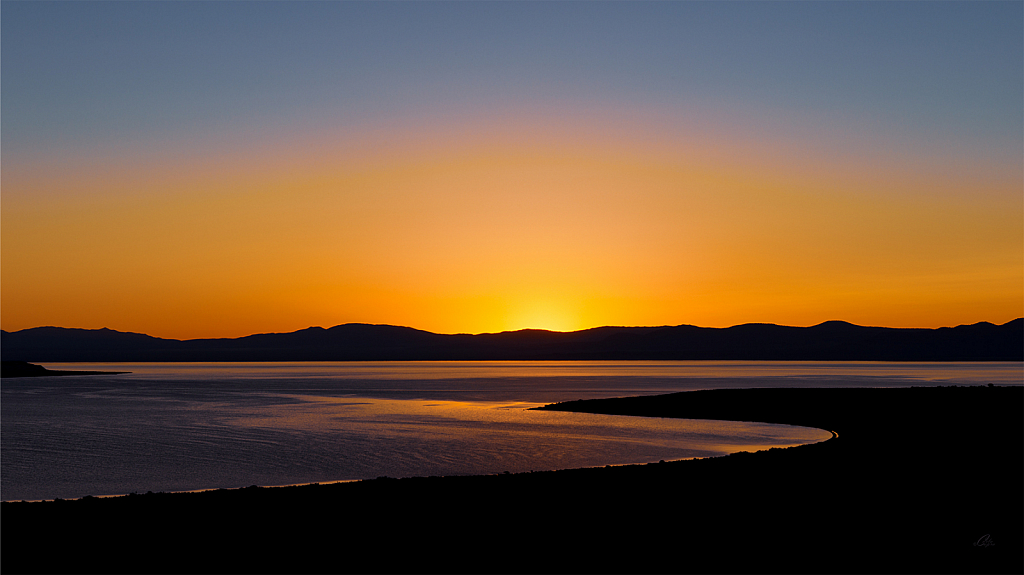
775,440
953,504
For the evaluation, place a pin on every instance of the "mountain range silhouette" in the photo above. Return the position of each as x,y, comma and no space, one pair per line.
829,341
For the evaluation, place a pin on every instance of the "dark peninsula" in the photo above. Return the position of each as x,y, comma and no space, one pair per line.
918,480
9,369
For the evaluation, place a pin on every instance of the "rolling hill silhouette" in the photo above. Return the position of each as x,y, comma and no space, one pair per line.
829,341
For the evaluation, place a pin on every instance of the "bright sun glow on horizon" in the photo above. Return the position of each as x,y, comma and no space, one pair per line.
546,316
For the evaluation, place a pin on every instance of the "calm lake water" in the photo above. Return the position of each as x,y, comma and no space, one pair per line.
188,426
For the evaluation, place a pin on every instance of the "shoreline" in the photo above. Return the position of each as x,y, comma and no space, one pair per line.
892,503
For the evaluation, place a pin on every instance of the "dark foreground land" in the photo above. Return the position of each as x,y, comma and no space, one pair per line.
923,480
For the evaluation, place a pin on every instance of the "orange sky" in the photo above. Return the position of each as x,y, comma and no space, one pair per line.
557,222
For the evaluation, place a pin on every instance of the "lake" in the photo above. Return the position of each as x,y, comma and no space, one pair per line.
191,426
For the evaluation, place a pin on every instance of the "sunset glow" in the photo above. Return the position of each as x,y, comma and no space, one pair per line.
505,191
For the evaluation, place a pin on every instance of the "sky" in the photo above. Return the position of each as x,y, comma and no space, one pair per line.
216,169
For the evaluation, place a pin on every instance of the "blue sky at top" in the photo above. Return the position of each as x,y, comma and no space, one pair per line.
74,73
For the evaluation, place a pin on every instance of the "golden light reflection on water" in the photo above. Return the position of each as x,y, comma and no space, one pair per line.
475,420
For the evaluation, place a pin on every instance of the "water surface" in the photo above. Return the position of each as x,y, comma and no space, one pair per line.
175,427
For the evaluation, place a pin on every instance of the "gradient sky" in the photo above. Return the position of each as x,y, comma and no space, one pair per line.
215,169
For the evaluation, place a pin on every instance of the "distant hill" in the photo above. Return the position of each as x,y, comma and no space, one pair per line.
833,340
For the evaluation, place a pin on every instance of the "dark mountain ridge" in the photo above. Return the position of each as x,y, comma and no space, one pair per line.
829,341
